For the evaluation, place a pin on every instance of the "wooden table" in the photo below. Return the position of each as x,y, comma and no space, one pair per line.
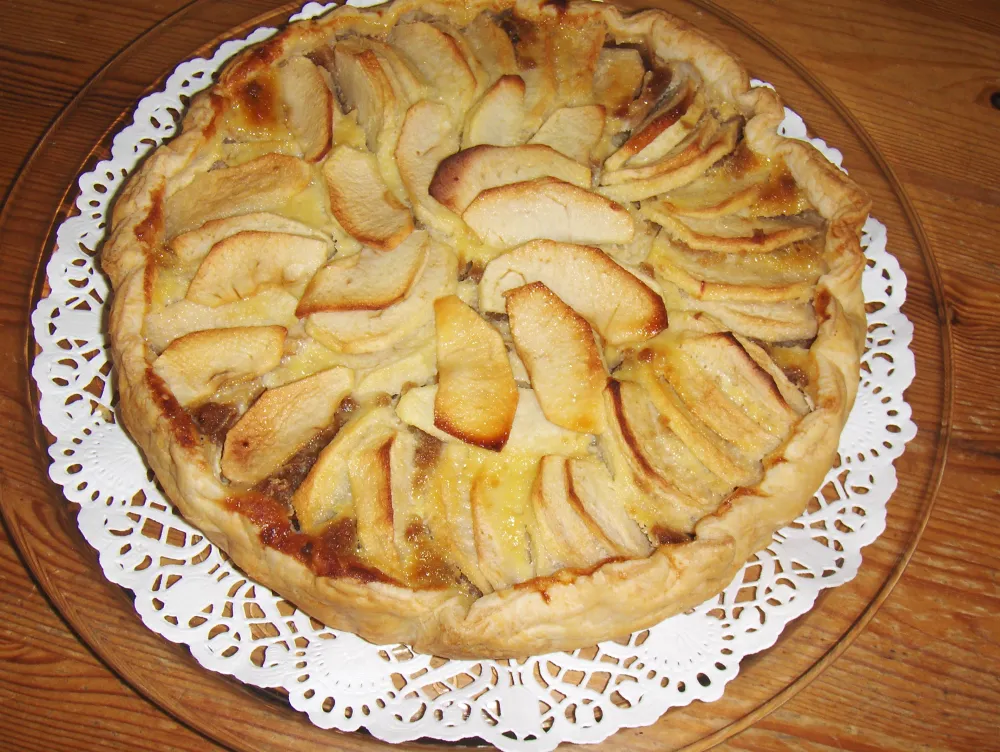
925,672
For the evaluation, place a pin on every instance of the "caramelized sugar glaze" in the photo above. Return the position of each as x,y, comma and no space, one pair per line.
487,309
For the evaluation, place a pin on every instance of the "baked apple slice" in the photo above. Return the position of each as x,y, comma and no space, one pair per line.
361,202
364,331
510,215
572,131
618,78
565,535
654,87
558,350
787,274
492,46
462,177
196,365
783,320
369,475
194,245
281,422
500,497
477,396
457,467
603,501
581,517
735,234
410,364
373,79
533,53
262,184
366,281
498,117
667,128
576,43
365,87
744,182
724,458
673,488
242,264
308,106
406,81
531,433
705,146
790,392
270,306
429,135
619,305
746,375
437,57
327,494
701,391
663,131
429,546
716,397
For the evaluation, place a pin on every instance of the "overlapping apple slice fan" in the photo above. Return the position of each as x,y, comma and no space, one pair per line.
188,591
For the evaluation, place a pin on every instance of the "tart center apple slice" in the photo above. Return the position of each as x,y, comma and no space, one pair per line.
619,305
463,176
558,349
366,281
509,215
430,133
498,117
371,331
361,202
477,396
572,131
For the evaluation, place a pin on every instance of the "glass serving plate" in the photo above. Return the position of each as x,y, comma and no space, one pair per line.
42,522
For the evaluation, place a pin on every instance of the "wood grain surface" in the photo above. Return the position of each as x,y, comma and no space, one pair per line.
924,672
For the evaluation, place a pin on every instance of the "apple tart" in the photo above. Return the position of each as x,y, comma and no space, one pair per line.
491,327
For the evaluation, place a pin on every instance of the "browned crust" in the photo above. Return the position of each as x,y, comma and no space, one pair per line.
571,608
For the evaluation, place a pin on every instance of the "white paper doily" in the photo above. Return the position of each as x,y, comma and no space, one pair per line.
187,591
